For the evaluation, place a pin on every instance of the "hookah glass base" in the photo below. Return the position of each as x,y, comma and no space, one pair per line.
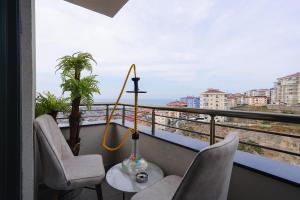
135,163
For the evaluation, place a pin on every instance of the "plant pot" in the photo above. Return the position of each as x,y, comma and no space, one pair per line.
53,114
75,150
77,147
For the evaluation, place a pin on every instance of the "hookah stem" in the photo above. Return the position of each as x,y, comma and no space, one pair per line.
135,111
135,117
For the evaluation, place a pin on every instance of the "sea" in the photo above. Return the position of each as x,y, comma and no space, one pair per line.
149,102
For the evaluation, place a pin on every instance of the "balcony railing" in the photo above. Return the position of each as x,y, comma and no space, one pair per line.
148,115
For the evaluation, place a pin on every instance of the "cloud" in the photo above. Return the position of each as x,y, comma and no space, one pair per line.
182,46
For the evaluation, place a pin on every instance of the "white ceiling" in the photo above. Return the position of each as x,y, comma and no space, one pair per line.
105,7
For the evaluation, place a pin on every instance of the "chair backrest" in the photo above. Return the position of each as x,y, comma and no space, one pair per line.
53,149
209,174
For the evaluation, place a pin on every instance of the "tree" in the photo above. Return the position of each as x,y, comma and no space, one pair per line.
81,90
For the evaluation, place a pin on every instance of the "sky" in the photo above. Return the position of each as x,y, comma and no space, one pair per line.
180,47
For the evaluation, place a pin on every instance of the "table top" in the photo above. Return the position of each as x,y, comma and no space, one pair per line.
122,181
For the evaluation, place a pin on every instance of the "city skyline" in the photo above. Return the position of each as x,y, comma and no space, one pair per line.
253,92
180,48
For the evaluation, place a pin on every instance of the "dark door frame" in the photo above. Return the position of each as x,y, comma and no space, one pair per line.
10,101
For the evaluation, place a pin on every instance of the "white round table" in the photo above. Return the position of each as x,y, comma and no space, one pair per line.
120,180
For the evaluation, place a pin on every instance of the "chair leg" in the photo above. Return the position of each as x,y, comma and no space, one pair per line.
99,192
56,195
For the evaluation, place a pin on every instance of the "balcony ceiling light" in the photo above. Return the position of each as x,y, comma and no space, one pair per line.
105,7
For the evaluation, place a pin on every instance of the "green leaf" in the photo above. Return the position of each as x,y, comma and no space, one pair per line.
79,87
47,102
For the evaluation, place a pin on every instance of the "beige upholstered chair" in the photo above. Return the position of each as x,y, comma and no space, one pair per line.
207,178
60,168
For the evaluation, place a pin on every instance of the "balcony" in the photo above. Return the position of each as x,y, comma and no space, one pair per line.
258,173
255,175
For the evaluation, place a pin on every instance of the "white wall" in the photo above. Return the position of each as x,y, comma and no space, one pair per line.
27,61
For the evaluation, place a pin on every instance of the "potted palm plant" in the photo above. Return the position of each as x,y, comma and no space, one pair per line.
81,90
48,103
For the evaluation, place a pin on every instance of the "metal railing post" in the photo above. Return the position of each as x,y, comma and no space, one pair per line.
153,122
212,130
123,115
107,112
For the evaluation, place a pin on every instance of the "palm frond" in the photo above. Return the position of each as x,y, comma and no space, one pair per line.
47,102
71,67
75,63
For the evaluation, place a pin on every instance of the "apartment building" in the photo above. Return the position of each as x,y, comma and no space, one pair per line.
214,99
287,90
272,96
163,118
234,100
231,102
191,101
257,100
258,93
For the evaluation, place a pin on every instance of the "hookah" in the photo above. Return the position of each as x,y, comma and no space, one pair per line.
135,164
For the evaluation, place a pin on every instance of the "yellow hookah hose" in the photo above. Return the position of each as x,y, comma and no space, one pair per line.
130,130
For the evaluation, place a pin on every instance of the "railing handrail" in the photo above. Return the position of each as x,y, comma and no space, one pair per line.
275,117
278,117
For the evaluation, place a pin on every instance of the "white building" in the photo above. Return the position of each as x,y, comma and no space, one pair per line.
234,100
259,92
231,102
214,99
272,96
287,90
163,118
257,100
160,120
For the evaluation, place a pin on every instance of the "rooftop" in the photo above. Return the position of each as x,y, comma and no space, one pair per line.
292,75
212,90
177,104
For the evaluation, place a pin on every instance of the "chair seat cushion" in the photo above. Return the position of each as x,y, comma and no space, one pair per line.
84,170
162,190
